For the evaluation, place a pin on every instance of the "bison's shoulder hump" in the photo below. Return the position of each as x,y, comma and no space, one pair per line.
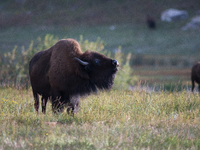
67,48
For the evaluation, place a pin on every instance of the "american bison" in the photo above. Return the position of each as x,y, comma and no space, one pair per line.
151,21
63,73
195,75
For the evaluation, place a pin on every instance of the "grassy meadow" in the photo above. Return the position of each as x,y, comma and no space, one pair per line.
114,120
157,111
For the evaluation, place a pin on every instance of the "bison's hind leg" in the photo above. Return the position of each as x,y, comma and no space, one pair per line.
44,103
36,104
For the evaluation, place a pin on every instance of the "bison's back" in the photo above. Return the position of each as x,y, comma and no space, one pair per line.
38,69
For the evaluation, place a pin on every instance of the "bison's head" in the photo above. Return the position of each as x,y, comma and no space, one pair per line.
98,69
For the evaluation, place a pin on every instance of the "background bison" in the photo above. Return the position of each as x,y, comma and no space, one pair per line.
195,75
151,21
63,73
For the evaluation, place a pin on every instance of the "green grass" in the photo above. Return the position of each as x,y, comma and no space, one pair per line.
114,120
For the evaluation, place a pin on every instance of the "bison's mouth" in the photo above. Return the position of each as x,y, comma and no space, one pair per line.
116,65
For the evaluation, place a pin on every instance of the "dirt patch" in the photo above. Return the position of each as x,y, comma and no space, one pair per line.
163,72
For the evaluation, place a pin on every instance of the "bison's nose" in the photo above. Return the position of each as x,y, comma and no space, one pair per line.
115,63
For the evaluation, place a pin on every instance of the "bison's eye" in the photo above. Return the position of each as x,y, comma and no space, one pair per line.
97,62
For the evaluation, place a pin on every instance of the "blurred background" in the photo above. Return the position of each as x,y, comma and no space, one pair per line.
162,49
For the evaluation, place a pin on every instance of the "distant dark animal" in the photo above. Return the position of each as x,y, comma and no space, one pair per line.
195,75
151,21
63,73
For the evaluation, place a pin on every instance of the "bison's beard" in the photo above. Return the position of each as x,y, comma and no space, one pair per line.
98,82
105,82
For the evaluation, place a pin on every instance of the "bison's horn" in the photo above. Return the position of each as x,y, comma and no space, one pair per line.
81,62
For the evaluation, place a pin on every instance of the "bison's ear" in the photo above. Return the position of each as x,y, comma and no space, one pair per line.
81,69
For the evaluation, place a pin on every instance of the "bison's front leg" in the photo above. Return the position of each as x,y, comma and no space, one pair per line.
57,104
73,106
193,85
57,101
57,107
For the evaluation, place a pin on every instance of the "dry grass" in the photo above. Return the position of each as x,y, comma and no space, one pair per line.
114,120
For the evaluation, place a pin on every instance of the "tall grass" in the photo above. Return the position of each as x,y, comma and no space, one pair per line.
114,120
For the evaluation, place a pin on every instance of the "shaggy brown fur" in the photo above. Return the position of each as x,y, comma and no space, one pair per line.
58,75
195,75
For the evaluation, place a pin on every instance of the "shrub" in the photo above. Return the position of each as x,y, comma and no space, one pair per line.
14,65
97,46
123,78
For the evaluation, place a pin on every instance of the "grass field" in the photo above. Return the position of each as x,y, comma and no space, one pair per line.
114,120
159,112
